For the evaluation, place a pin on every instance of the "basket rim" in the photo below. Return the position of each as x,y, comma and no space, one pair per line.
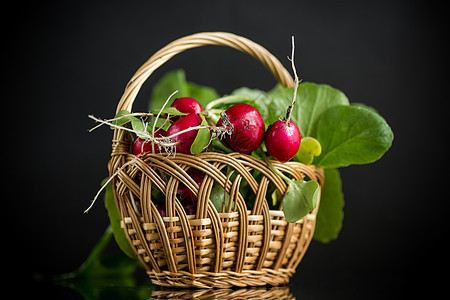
217,38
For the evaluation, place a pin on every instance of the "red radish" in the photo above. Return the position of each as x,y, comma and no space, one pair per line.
283,140
142,146
185,139
161,209
248,128
184,192
187,105
190,209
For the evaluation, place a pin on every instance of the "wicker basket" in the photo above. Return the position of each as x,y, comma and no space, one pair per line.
239,247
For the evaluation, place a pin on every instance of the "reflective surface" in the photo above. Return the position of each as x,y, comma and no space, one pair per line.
112,275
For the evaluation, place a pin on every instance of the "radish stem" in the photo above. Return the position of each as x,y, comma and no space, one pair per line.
296,83
272,167
156,120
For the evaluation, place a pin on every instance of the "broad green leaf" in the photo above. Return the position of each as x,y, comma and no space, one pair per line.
330,215
217,197
171,81
251,93
202,139
309,148
300,199
176,81
114,218
351,135
202,94
312,100
364,106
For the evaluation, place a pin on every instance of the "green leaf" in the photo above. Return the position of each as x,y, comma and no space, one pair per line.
202,94
106,276
141,128
171,111
312,100
169,83
351,135
202,139
330,215
276,197
124,120
217,197
114,218
300,199
309,148
176,81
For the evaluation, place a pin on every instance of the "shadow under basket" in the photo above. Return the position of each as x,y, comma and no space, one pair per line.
244,243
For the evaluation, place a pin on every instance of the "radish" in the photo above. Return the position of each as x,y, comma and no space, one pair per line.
161,209
247,128
187,105
186,138
141,145
185,194
190,208
283,140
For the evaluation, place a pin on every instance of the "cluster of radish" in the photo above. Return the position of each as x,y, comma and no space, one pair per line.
242,130
245,126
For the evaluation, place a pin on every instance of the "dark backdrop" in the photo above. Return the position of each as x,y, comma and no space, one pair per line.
75,58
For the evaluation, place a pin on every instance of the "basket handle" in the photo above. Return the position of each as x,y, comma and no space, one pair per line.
197,40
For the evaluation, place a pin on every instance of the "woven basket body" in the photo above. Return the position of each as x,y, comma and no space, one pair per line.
237,246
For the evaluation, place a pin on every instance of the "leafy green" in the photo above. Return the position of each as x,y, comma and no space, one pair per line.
176,80
351,135
276,197
202,139
123,118
309,148
139,126
201,93
312,100
97,266
300,199
114,218
171,111
106,276
335,134
217,197
330,215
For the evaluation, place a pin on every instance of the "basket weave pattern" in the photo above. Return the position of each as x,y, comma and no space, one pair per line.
238,246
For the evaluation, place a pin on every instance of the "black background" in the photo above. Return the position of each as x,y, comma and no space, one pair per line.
72,59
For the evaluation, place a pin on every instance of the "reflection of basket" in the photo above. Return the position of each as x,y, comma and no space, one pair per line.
277,292
238,247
